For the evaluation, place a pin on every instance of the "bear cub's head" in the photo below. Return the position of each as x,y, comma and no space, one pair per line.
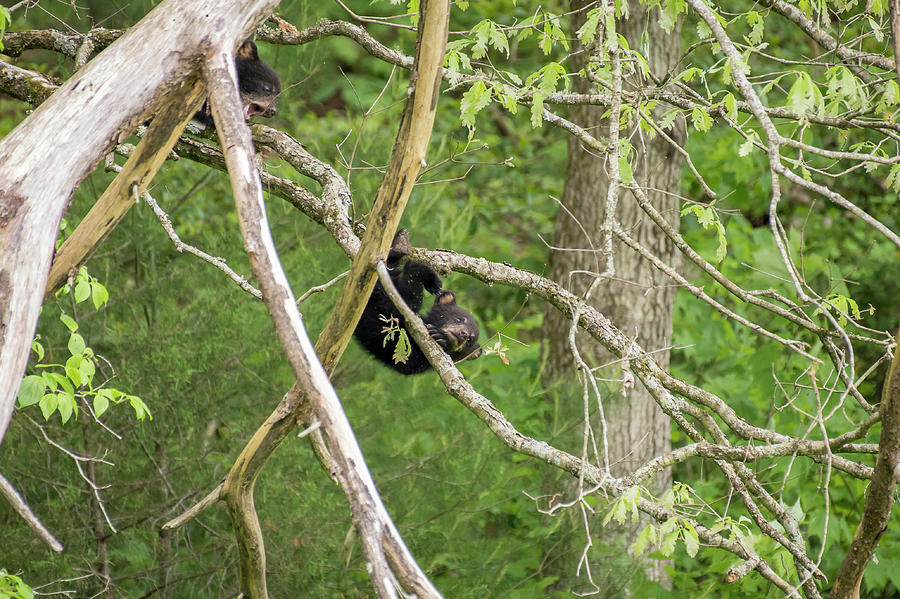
258,82
457,326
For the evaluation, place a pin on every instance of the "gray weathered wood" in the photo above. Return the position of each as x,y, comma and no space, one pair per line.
45,158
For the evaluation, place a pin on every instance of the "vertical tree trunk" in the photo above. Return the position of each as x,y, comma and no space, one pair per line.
638,299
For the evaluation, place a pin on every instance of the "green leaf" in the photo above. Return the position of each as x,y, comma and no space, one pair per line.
722,249
473,101
87,371
667,541
73,369
31,390
69,322
682,492
891,93
48,405
667,119
66,406
547,78
667,500
82,291
50,381
141,410
727,78
76,344
730,107
642,542
701,119
63,381
717,527
101,403
114,394
551,34
488,33
38,349
456,60
403,349
691,539
625,503
804,97
842,304
537,109
748,145
498,39
688,74
625,171
482,33
703,31
587,32
876,30
892,180
99,294
669,14
5,19
796,510
619,511
508,97
756,22
11,586
708,219
845,89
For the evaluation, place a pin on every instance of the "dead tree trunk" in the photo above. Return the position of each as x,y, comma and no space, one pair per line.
45,158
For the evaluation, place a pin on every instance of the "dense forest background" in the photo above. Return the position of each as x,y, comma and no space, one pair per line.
202,356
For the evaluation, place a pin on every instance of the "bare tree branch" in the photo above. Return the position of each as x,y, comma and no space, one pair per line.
18,504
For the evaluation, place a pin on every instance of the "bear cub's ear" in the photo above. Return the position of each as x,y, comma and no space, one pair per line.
247,51
445,298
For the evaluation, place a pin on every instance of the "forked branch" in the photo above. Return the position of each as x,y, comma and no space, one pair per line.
312,399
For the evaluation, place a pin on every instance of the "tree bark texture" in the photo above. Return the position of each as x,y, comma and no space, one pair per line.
880,496
44,159
638,299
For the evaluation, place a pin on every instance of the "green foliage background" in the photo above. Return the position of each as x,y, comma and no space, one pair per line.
203,356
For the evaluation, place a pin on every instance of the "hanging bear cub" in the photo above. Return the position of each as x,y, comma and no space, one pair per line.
454,329
258,84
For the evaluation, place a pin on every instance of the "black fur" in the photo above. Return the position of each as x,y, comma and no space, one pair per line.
258,84
453,328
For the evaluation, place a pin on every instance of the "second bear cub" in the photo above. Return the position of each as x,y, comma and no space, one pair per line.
258,84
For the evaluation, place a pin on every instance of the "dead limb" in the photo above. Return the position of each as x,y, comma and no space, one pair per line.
312,399
44,159
18,504
130,183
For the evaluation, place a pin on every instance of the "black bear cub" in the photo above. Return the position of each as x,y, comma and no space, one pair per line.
454,329
258,84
